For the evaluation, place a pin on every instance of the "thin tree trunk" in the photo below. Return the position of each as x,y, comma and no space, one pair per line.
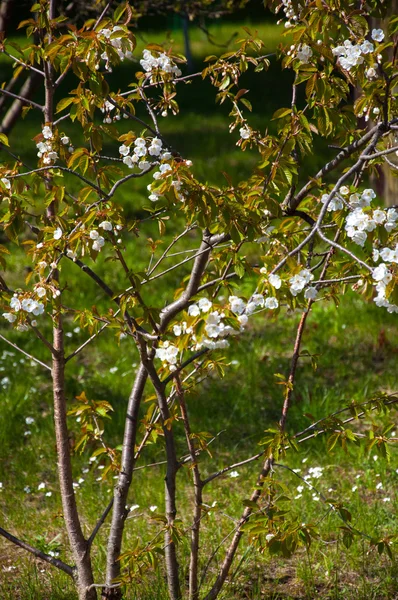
187,42
198,498
83,570
80,548
172,568
120,513
5,11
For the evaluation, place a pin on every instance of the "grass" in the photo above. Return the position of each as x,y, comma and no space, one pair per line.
355,347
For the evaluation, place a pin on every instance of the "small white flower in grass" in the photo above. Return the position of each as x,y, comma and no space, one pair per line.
275,281
113,370
57,233
29,420
298,496
304,460
27,433
106,225
48,494
47,132
244,133
234,474
205,304
134,507
310,293
27,489
377,35
124,150
152,508
98,243
41,486
387,499
315,497
354,488
10,317
271,303
379,486
300,488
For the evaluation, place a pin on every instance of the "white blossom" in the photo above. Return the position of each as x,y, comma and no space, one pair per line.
310,293
275,281
106,225
377,35
304,53
98,243
271,303
57,233
47,132
204,304
244,132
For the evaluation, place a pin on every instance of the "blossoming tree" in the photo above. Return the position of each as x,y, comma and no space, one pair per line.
314,236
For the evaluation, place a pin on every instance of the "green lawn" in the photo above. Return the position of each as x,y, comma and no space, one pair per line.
355,346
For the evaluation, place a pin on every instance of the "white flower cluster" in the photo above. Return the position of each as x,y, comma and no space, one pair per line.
117,43
304,53
168,354
299,281
289,11
350,55
45,149
150,63
140,152
27,304
359,222
382,275
98,240
314,473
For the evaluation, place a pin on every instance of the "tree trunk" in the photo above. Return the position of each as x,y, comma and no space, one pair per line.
81,555
120,513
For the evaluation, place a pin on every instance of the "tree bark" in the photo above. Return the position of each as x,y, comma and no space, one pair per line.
120,513
83,570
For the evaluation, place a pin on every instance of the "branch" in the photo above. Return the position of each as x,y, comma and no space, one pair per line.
36,360
22,99
46,557
20,62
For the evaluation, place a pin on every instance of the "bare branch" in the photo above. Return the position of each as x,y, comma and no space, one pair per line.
56,562
36,360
